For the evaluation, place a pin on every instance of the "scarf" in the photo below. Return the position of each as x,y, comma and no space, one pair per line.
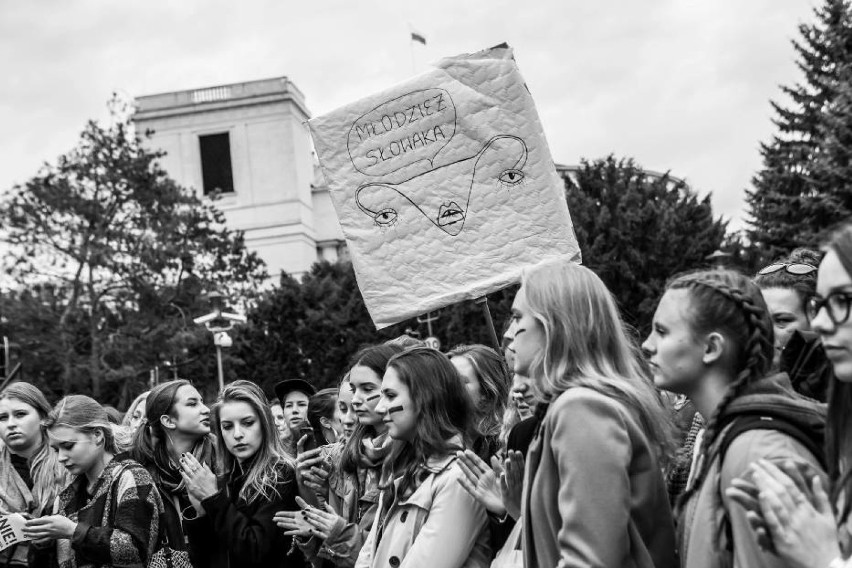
15,497
168,476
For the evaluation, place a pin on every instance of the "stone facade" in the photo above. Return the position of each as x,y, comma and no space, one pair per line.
254,134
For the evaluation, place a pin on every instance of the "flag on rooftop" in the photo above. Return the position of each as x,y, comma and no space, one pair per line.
418,37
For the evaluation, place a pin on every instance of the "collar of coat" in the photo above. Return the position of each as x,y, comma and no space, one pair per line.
422,496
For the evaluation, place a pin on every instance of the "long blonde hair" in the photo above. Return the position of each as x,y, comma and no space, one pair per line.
587,345
270,465
48,475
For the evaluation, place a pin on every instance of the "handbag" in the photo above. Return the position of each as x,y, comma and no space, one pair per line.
511,555
168,557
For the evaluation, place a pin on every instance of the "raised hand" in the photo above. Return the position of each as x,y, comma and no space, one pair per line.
804,533
199,479
480,481
512,483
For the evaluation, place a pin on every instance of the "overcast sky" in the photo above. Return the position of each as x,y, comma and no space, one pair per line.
680,85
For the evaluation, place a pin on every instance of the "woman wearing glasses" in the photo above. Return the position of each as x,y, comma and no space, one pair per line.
787,285
807,522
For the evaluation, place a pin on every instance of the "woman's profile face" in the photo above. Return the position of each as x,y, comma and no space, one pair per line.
788,315
525,334
191,416
366,387
675,356
345,412
835,285
397,407
465,368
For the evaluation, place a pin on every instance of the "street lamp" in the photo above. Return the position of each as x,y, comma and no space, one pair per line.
219,323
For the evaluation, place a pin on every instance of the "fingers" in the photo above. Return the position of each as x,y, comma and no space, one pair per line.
300,445
743,498
497,465
309,458
301,503
469,475
468,486
821,500
774,511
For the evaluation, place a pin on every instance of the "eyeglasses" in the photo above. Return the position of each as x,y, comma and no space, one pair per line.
837,305
797,268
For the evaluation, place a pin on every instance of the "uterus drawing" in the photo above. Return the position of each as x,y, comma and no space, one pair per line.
443,194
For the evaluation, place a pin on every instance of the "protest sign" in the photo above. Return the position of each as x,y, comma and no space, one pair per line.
444,186
11,530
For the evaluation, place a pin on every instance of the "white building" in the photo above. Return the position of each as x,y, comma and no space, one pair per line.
249,142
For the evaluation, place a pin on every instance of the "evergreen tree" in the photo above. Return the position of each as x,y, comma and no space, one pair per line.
637,230
802,189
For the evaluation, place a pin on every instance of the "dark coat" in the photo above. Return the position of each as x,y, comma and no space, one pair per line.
239,534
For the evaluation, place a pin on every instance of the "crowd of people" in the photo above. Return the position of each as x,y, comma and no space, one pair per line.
719,440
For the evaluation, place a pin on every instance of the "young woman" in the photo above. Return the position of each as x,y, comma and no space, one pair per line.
233,523
593,492
176,422
321,413
294,396
712,341
354,477
425,517
808,527
135,413
110,513
487,380
344,412
787,285
30,473
281,424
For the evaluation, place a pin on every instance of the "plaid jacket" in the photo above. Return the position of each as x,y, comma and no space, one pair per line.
118,525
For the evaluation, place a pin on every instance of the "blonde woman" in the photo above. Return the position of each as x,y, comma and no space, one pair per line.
109,515
30,473
593,492
232,524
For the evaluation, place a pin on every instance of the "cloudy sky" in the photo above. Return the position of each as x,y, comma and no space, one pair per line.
680,85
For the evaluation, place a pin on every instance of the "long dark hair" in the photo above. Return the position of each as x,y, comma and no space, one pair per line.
494,381
729,303
837,439
374,357
321,405
444,411
150,441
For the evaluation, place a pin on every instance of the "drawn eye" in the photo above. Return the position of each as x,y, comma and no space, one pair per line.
386,217
511,177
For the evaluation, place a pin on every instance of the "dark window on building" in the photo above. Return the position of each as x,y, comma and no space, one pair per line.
216,163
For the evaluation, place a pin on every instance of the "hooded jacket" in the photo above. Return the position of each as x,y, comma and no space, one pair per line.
714,530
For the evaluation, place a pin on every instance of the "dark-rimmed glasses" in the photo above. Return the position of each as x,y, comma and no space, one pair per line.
796,268
836,304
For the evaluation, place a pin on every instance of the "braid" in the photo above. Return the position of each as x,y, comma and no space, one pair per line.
756,357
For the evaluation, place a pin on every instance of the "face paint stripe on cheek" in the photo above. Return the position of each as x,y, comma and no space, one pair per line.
393,409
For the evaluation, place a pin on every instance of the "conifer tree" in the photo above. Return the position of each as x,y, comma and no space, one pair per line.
802,189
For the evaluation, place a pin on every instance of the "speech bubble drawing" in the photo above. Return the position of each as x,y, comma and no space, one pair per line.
403,132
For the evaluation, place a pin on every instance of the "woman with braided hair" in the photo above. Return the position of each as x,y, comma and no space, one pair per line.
712,340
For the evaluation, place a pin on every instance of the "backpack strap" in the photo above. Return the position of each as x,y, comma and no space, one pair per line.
748,422
812,441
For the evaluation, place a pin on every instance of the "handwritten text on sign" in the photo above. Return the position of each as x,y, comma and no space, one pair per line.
11,530
402,131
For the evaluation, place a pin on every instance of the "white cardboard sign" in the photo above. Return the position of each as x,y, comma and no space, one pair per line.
444,186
